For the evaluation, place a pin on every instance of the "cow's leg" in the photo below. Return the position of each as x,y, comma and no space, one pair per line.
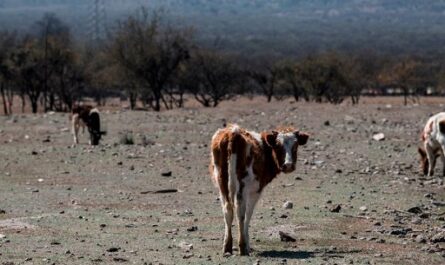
250,205
75,128
228,219
90,142
227,205
240,206
431,158
442,157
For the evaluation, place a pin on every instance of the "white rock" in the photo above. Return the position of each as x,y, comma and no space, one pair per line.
185,246
288,205
378,137
363,208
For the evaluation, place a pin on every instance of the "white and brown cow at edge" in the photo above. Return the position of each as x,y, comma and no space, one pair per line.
242,164
86,116
433,144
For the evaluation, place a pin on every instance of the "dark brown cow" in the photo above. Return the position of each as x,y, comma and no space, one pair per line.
242,164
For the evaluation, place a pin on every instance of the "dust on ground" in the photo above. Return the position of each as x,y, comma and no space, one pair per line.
355,200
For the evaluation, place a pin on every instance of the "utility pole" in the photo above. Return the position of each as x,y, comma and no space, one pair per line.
97,21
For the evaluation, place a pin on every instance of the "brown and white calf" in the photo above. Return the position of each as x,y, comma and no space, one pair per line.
88,116
242,164
433,140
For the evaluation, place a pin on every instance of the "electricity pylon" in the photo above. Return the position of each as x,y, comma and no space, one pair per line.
97,21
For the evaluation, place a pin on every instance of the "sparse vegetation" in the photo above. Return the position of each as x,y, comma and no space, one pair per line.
150,60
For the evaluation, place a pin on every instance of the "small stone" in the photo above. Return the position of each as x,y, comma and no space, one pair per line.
400,231
420,239
186,246
166,174
286,237
192,229
416,221
119,259
113,249
54,243
415,210
187,255
335,208
424,215
363,208
378,137
288,205
439,237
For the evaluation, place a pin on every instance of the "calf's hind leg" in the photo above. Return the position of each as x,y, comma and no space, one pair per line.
228,219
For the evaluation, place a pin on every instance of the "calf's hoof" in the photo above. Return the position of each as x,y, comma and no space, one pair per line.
227,250
244,251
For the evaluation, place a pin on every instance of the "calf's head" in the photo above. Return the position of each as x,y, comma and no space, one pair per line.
284,143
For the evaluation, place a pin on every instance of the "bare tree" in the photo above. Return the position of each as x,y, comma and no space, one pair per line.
152,53
290,77
266,78
68,80
53,36
29,71
322,76
407,74
7,44
211,77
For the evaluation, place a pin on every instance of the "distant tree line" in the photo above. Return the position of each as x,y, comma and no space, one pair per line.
147,60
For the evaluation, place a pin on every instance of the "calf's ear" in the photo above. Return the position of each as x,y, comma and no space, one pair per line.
271,138
302,137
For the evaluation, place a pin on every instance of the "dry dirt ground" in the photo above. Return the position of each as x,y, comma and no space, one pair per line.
76,205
